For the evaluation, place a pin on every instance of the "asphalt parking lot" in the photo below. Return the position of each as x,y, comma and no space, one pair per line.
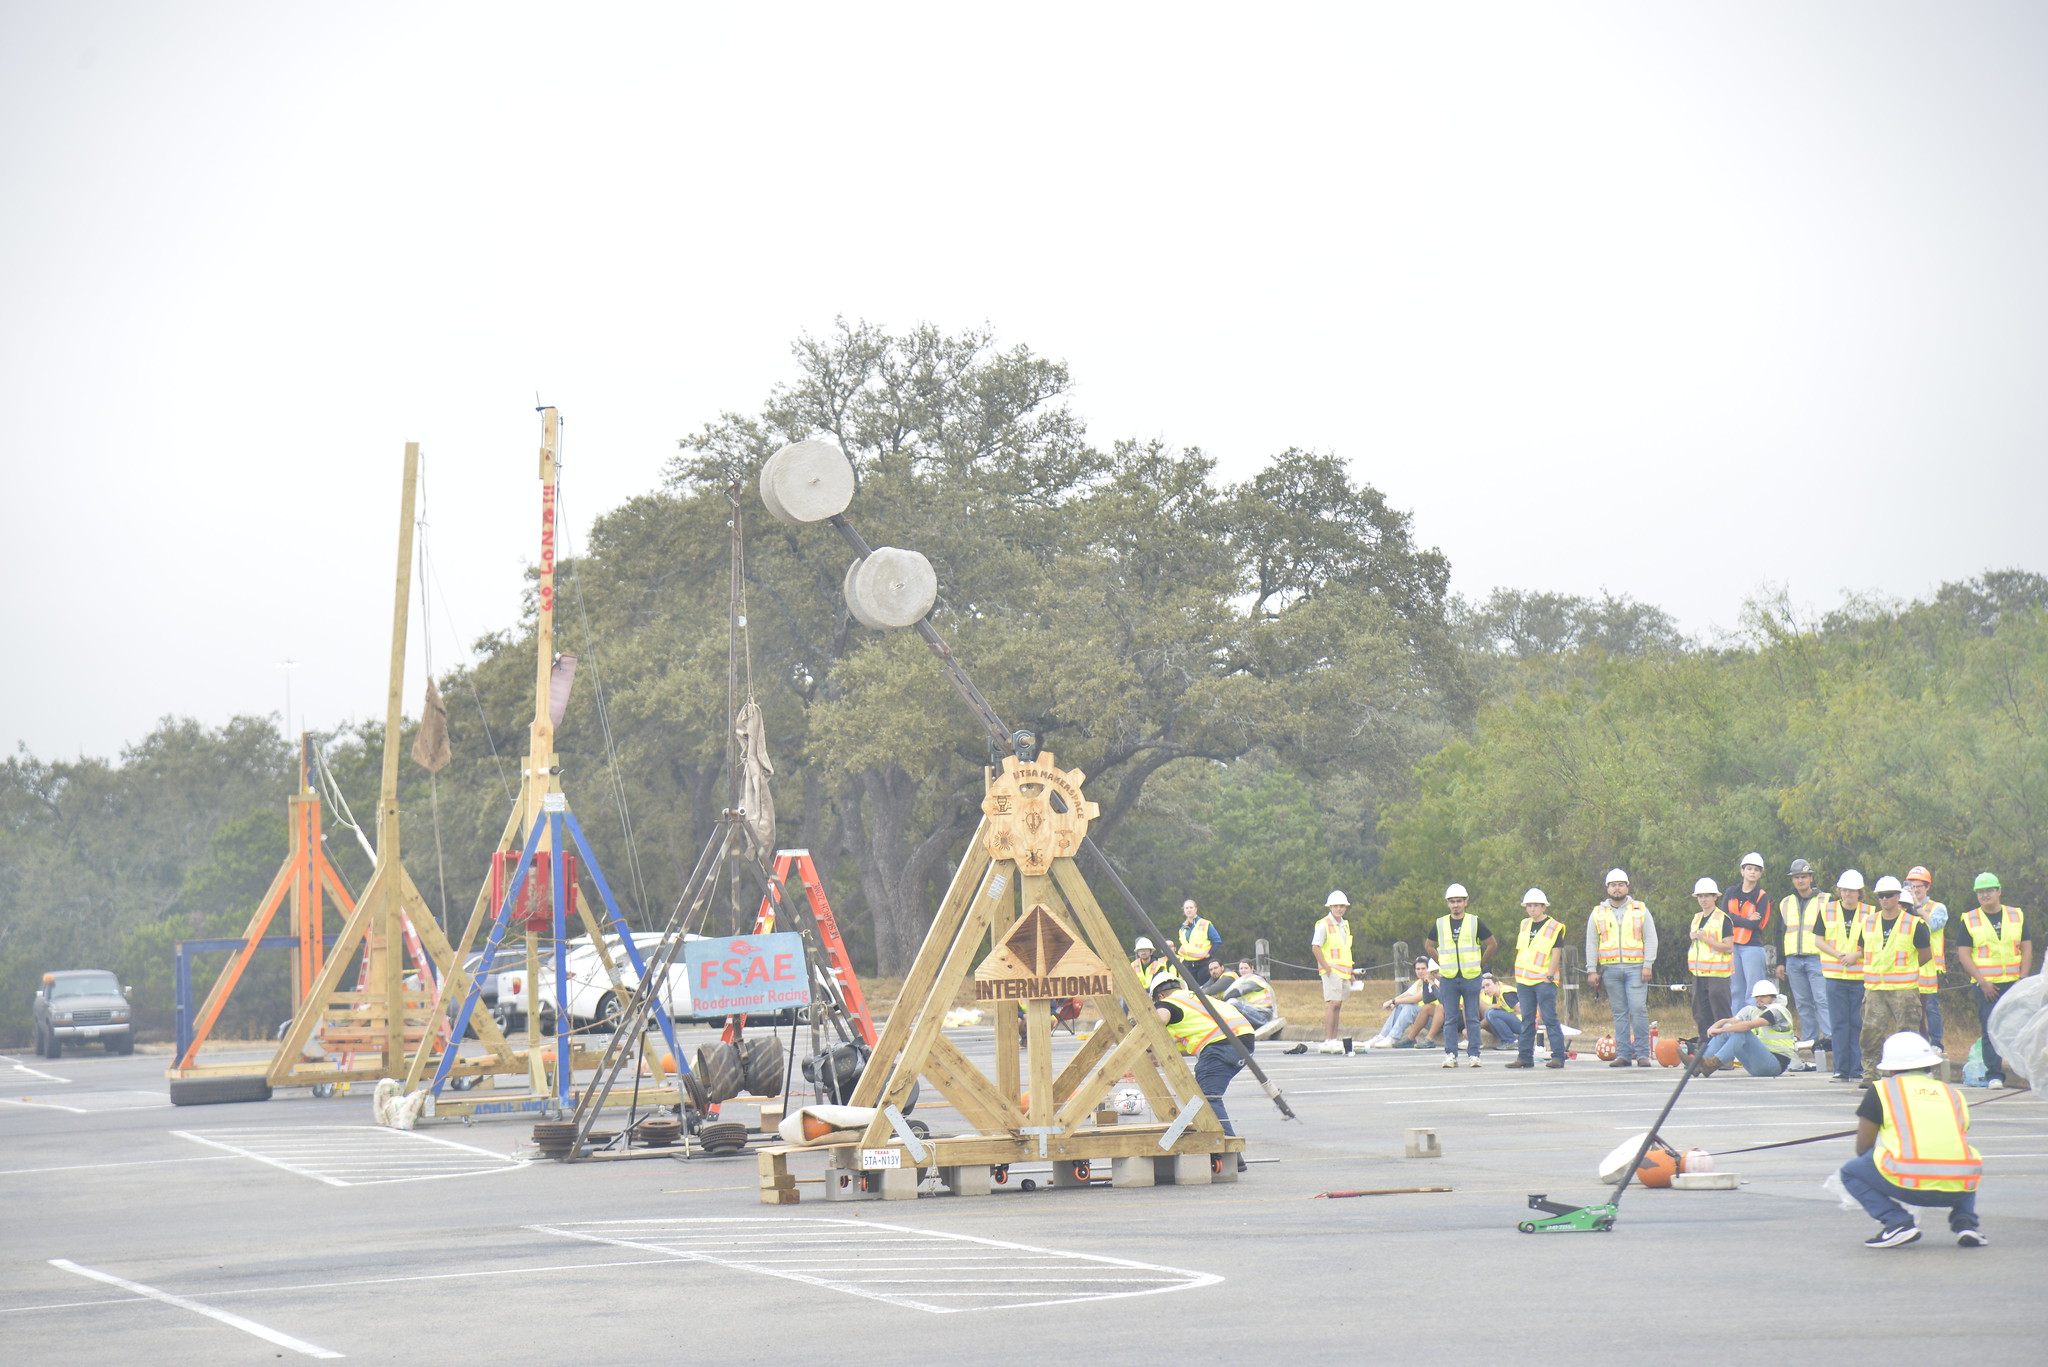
293,1228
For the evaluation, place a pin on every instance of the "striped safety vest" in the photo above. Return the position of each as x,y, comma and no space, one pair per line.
1337,945
1997,952
1457,949
1536,951
1890,962
1801,920
1621,937
1195,1031
1260,997
1775,1037
1197,937
1925,1142
1937,948
1842,926
1703,959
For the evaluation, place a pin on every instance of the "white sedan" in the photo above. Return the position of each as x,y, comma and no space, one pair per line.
592,998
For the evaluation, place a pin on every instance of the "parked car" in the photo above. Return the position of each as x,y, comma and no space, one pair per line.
82,1006
488,1001
592,998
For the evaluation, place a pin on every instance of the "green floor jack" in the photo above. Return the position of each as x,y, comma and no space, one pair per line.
1564,1219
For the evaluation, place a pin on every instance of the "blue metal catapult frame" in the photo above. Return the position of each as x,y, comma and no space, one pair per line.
555,820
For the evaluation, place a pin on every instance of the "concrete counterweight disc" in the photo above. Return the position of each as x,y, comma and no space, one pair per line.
852,602
808,481
892,588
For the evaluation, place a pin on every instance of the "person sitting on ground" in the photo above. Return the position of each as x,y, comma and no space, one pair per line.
1250,993
1498,1001
1405,1016
1219,979
1913,1146
1760,1035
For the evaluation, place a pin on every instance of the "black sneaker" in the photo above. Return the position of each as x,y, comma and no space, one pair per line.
1893,1237
1970,1238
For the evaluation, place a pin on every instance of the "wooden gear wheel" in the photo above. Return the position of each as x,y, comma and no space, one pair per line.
1023,825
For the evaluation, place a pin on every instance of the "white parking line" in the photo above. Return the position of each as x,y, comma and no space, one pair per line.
92,1102
131,1163
922,1268
21,1067
355,1155
234,1321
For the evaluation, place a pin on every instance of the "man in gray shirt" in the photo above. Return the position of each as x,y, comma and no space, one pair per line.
1621,950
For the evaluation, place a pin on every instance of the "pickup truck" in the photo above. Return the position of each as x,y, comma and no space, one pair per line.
82,1006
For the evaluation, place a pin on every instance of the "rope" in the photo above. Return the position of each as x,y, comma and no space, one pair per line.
614,779
1838,1134
340,804
427,643
469,677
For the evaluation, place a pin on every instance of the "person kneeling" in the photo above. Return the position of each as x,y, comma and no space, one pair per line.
1760,1036
1913,1147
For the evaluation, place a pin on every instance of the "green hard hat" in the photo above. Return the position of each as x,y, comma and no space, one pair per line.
1988,880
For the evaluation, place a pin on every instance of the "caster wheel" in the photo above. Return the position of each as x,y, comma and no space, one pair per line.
1027,1185
1526,1227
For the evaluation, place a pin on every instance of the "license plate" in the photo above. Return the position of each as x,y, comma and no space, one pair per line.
92,1032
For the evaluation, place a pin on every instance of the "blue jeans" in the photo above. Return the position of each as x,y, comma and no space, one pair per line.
1460,997
1743,1045
1930,1011
1809,994
1749,968
1881,1197
1215,1066
1543,997
1257,1015
1403,1017
1505,1025
1845,1025
1628,996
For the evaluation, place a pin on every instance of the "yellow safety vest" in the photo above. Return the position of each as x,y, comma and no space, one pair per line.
1495,1000
1457,951
1703,959
1778,1041
1621,937
1260,997
1844,931
1195,1031
1337,945
1146,971
1890,962
1536,953
1925,1142
1801,919
1997,952
1937,949
1196,937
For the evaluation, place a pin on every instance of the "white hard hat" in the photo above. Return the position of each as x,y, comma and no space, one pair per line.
1337,899
1764,988
1617,876
1435,967
1141,943
1850,879
1753,858
1455,890
1907,895
1705,885
1907,1050
1535,895
1887,884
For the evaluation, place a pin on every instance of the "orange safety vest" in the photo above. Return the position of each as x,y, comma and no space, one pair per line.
1704,960
1997,951
1890,961
1620,937
1925,1142
1536,954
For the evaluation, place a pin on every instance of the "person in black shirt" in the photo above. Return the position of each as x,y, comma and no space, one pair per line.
1749,917
1466,943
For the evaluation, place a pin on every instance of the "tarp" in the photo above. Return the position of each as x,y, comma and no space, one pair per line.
430,749
755,771
561,678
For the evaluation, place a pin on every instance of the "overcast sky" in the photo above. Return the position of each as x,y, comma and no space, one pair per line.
1679,301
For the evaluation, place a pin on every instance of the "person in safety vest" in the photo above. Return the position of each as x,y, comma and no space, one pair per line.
1413,1015
1840,964
1196,944
1148,961
1330,943
1998,955
1196,1034
1539,964
1621,948
1749,913
1920,893
1799,967
1759,1036
1497,1001
1711,957
1895,942
1250,993
1461,944
1913,1147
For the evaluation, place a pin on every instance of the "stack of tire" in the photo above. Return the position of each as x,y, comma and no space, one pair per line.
751,1067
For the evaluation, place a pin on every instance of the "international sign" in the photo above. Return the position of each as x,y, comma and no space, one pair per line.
745,973
1040,959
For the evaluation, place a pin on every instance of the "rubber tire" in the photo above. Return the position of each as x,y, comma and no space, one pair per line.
609,1009
126,1046
762,1063
723,1138
693,1093
42,1049
56,1049
720,1068
215,1091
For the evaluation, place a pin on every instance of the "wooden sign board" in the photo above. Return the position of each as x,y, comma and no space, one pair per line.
1040,960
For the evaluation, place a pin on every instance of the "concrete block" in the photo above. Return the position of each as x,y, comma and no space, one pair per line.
1422,1144
1066,1174
1133,1172
1190,1169
1224,1168
847,1184
898,1184
967,1181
